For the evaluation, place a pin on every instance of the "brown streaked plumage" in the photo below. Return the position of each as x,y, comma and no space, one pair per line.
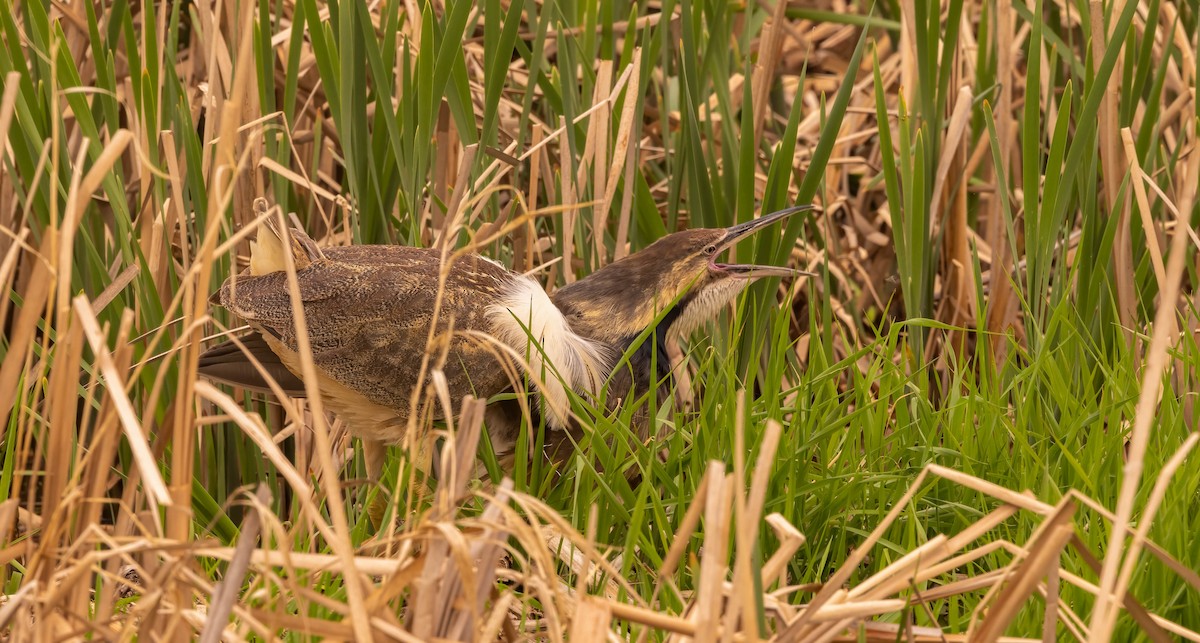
369,311
369,308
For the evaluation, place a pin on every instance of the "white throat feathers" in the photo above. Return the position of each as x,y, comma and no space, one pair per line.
705,305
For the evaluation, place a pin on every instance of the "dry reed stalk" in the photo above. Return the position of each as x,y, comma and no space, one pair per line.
490,177
960,296
595,158
1002,304
1140,535
22,334
1046,545
1112,170
1144,619
567,187
623,155
834,584
592,621
687,527
253,427
369,565
1143,205
1104,612
713,562
790,541
455,217
523,245
840,609
143,457
769,49
890,632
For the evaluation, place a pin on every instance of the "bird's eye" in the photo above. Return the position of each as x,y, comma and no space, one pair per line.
709,249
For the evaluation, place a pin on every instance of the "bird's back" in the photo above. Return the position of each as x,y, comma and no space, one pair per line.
369,310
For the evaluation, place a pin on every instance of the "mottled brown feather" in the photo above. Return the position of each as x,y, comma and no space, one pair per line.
369,310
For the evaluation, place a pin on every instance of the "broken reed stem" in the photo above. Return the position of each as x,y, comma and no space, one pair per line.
1046,546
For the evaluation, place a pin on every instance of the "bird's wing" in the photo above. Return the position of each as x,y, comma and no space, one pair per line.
369,310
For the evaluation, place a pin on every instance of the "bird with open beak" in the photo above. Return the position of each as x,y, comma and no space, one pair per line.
681,271
369,311
675,285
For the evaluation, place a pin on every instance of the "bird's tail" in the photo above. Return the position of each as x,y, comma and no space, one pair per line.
266,252
560,359
233,362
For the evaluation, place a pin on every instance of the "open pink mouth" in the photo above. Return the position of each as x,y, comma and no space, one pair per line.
741,231
747,271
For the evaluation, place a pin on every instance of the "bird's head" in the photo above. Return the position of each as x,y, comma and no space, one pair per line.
683,271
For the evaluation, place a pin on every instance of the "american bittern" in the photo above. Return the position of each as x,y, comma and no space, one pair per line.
369,310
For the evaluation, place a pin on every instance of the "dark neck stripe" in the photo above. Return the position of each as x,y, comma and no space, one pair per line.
643,356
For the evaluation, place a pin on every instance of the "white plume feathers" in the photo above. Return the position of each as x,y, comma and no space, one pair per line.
560,359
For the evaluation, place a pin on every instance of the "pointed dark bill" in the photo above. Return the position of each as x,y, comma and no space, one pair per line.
740,231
